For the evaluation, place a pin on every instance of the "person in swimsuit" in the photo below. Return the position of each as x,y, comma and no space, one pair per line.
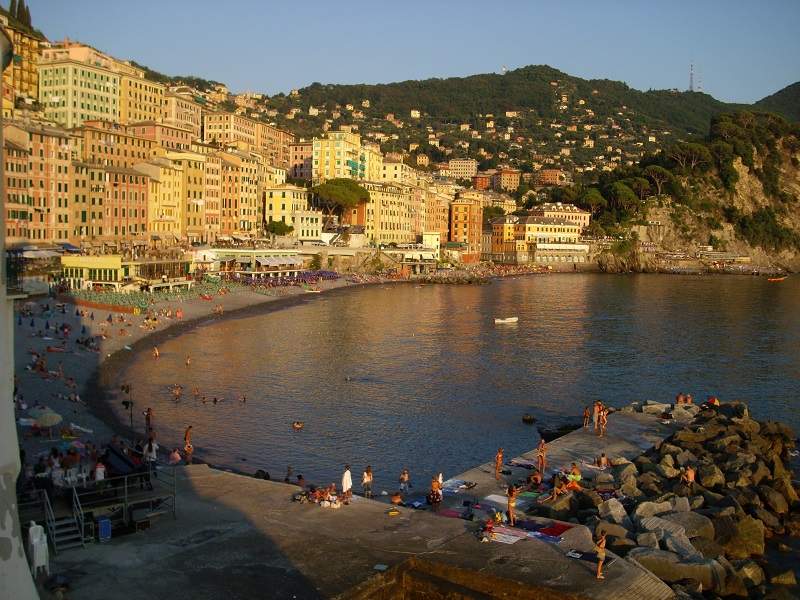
541,455
600,550
512,492
498,462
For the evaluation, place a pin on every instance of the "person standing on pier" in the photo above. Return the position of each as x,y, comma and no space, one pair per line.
187,437
405,484
366,482
512,492
347,484
148,419
436,494
587,414
498,463
602,421
596,413
541,455
600,551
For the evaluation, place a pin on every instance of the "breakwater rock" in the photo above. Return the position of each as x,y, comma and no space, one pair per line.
705,536
629,262
454,278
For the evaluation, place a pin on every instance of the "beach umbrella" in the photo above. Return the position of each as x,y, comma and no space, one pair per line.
47,420
63,310
91,316
110,319
47,325
83,330
37,411
33,322
20,321
77,313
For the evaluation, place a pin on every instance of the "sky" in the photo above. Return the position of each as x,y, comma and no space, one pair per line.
743,50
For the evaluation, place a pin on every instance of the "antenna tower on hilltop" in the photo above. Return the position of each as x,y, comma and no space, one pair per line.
691,76
700,80
504,70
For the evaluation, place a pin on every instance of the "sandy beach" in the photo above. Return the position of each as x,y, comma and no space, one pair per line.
93,373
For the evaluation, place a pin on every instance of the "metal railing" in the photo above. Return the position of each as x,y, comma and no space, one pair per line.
15,268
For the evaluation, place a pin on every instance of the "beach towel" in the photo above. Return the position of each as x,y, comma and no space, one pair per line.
507,535
529,525
590,557
523,462
529,494
416,503
544,537
502,501
449,512
556,529
591,466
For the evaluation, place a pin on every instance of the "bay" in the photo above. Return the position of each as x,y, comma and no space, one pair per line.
402,376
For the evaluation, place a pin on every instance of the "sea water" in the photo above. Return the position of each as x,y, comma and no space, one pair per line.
405,376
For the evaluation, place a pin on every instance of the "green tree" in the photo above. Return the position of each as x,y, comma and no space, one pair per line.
490,212
592,199
622,195
658,175
340,196
279,228
316,262
690,155
12,10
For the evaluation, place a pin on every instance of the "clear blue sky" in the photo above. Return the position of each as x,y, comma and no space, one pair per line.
744,50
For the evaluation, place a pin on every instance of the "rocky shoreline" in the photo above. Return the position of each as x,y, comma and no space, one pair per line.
710,538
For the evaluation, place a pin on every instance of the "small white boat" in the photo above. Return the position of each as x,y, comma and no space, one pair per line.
503,320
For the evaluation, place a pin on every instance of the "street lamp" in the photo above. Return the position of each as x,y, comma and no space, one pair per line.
128,404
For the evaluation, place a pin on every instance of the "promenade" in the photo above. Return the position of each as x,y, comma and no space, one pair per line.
238,537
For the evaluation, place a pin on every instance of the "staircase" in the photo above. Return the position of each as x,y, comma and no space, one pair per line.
65,533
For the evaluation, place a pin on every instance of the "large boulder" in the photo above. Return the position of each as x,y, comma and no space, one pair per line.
647,540
752,533
660,527
708,548
770,520
680,504
773,499
749,572
651,509
681,545
708,475
694,524
620,472
655,408
671,568
587,498
741,538
783,485
611,529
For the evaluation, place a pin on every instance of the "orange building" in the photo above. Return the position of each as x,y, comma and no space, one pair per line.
466,218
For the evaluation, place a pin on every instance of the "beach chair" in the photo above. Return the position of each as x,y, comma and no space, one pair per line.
37,549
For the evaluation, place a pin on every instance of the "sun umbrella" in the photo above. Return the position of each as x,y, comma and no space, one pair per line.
110,319
77,313
49,419
91,316
47,325
37,411
83,330
33,323
20,321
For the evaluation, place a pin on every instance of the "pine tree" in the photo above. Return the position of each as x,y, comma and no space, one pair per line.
28,16
21,8
12,10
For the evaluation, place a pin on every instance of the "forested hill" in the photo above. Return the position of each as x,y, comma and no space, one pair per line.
785,103
537,89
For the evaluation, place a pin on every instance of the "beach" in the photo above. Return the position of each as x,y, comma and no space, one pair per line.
92,373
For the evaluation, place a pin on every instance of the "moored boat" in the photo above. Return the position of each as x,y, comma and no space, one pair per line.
501,320
776,278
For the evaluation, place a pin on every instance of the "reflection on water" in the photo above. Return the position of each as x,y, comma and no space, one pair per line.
403,376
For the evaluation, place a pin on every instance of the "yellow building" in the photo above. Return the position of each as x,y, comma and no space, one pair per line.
338,156
536,240
107,143
566,212
291,204
247,134
388,216
192,166
140,99
240,172
76,84
165,200
21,78
182,108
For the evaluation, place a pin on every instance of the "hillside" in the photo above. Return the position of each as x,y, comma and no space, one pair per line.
785,103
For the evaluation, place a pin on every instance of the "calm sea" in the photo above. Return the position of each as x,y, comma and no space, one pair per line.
401,376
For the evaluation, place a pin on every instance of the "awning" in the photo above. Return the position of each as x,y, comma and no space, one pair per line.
224,238
264,261
241,238
155,238
243,259
139,243
69,247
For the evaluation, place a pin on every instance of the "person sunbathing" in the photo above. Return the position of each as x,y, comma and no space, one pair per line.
560,482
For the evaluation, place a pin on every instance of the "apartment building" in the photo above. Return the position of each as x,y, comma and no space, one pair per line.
291,204
165,200
302,157
463,168
224,128
21,77
506,179
192,166
466,218
536,240
565,212
338,155
18,211
162,135
139,99
49,154
240,197
388,216
395,172
111,144
77,84
183,109
213,199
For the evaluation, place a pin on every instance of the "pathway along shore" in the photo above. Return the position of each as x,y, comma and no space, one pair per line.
235,535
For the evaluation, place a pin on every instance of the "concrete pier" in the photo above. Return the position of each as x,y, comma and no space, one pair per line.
237,537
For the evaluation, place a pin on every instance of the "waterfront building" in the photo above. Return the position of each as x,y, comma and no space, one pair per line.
536,240
21,78
566,212
17,207
466,217
109,206
463,168
241,206
77,84
213,196
291,204
115,271
165,200
388,216
49,153
192,166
